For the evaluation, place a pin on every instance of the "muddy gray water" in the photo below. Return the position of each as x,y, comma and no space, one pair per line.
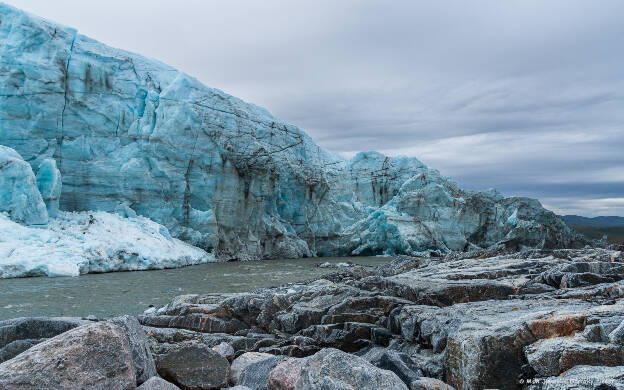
105,295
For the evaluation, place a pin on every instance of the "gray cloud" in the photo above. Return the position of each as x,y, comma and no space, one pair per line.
526,96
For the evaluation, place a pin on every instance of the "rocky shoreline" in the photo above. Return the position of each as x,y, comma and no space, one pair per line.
536,319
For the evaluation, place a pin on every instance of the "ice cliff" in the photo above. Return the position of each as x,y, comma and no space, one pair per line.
131,133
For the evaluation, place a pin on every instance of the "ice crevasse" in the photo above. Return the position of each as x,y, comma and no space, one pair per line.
125,131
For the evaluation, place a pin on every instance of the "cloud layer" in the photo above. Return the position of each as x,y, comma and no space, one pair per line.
525,96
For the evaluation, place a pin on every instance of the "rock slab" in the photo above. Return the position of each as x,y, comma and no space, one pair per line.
156,383
334,369
252,369
193,366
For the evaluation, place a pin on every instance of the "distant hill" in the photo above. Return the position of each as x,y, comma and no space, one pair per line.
577,220
615,234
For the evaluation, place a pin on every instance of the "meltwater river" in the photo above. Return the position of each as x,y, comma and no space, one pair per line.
116,293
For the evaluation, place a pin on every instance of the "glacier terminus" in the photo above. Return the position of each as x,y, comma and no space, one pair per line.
115,135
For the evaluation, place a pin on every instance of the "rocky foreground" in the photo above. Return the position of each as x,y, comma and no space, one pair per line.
535,319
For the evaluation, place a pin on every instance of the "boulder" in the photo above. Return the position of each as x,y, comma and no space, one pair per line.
16,347
205,323
285,374
399,363
142,359
582,377
617,335
598,329
193,366
552,357
19,334
224,349
425,383
95,356
19,195
334,369
162,338
252,369
156,383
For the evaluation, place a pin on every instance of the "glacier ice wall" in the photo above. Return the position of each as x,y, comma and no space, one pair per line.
132,133
50,185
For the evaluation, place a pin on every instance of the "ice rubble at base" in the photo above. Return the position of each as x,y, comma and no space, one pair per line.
84,242
223,174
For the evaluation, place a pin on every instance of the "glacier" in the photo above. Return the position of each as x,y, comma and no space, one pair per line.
134,136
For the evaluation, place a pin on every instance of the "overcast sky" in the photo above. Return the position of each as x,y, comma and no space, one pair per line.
524,96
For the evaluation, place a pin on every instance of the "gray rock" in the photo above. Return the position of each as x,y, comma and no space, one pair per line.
334,369
593,333
238,388
252,369
552,357
425,383
583,378
19,334
225,350
399,363
485,341
93,356
285,374
468,319
347,336
617,335
161,338
156,383
204,323
192,365
141,355
16,347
